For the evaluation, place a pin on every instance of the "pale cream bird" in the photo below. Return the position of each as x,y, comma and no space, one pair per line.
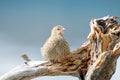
56,47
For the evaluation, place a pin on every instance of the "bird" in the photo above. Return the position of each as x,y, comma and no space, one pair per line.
56,48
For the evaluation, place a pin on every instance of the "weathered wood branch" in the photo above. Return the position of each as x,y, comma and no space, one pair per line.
32,69
94,60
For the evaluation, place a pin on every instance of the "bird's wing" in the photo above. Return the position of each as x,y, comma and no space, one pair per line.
51,44
54,43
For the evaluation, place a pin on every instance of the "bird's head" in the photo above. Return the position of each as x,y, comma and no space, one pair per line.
58,30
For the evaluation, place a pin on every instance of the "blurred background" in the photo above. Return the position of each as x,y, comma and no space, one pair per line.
26,24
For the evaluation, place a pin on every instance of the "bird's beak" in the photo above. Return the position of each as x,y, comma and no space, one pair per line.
63,29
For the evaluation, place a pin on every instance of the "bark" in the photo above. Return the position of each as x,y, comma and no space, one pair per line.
94,60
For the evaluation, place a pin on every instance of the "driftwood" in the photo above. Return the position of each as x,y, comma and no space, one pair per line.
94,60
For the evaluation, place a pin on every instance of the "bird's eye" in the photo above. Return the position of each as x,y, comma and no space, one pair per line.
58,29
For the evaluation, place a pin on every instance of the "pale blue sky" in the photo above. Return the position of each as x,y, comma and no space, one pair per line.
26,24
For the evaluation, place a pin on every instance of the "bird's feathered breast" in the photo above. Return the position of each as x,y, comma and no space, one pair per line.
56,44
